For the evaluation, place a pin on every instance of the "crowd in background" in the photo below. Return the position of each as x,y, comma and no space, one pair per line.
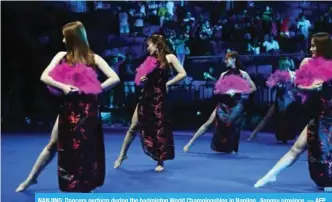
117,31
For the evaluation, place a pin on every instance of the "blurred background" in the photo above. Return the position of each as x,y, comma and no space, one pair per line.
265,34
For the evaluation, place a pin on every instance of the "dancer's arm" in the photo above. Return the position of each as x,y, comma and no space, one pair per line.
313,87
181,73
287,160
113,78
49,80
247,77
304,61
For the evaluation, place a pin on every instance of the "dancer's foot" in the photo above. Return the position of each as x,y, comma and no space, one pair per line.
119,161
263,181
160,166
24,185
250,138
186,147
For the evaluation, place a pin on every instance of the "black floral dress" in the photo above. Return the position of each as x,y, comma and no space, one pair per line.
81,153
319,138
228,122
285,113
153,118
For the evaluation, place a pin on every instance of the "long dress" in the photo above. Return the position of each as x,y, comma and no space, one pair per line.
153,118
228,121
81,153
319,138
286,105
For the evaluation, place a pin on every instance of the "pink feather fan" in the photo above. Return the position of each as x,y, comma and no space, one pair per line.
232,82
145,68
281,77
80,76
315,69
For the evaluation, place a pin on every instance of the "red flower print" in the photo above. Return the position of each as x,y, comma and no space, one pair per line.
76,143
73,184
86,109
73,118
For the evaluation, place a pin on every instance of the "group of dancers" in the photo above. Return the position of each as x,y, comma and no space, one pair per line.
77,134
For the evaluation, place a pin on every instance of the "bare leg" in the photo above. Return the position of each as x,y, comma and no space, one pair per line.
45,157
262,123
200,131
287,160
130,136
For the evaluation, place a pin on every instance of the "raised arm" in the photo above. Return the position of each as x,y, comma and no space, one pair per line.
49,80
251,83
181,73
113,78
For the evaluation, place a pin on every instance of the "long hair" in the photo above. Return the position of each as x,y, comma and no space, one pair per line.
162,48
235,55
77,44
323,44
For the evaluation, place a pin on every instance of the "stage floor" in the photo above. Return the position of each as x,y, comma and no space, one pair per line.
199,171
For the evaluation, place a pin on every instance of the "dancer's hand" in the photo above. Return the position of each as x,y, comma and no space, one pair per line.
143,79
167,88
231,92
69,89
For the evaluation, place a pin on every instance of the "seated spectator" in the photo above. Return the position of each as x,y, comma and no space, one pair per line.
254,47
270,44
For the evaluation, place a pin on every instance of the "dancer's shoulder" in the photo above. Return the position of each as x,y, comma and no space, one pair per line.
61,54
170,57
244,74
304,61
58,57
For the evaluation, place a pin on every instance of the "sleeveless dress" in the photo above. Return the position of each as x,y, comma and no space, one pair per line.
228,122
81,153
285,114
153,119
319,138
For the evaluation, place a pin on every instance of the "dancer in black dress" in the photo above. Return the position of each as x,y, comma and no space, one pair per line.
284,106
315,79
77,130
151,115
227,116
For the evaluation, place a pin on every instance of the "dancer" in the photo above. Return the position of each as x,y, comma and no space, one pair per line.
315,79
77,130
150,115
284,104
227,116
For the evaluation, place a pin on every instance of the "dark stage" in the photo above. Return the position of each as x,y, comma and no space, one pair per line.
199,171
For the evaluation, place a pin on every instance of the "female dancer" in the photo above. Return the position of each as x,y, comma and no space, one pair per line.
314,77
284,104
227,116
77,130
150,115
